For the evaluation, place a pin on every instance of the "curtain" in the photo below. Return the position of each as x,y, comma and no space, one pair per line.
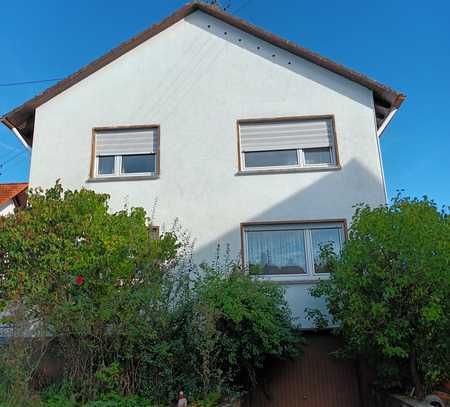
277,251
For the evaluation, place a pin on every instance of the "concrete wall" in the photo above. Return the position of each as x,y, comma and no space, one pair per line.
196,81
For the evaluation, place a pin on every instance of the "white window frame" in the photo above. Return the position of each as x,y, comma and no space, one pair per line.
300,159
332,162
118,157
306,227
300,151
118,167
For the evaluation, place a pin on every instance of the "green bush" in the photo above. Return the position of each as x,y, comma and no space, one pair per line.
389,291
247,320
120,401
212,400
126,314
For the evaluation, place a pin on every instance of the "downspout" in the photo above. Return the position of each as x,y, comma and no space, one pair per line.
16,132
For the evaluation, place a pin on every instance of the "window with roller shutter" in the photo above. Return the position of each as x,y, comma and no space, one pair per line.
125,151
283,143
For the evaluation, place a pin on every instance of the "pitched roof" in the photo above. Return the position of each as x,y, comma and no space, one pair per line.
11,191
386,99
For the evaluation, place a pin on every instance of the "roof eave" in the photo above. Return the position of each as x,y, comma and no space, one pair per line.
22,117
24,131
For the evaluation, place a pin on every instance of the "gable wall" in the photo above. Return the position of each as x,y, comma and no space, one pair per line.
195,82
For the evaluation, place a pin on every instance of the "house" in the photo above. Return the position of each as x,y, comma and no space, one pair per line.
247,139
11,196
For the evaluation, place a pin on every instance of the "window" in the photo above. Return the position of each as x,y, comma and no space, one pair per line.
317,156
287,143
139,163
321,237
106,164
270,158
126,151
285,250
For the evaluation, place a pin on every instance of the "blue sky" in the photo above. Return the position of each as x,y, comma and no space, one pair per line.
404,44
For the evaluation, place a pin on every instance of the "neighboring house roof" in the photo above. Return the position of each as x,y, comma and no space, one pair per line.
386,99
15,192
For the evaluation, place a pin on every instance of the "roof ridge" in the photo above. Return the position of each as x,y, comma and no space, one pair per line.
22,117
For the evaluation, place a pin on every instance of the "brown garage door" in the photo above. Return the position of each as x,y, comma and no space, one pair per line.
315,380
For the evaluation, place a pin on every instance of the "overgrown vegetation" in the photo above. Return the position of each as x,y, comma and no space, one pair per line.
104,314
389,292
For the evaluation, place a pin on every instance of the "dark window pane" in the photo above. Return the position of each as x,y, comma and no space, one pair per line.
142,163
270,158
322,238
317,156
276,251
106,165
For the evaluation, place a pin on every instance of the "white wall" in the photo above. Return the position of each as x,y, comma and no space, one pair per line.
7,208
195,82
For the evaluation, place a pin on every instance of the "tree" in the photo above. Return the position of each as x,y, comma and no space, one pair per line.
389,290
123,313
84,278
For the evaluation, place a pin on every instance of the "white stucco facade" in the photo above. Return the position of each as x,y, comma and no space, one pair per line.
195,81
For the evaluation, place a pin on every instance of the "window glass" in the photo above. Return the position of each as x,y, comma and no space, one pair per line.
277,251
141,163
106,164
317,156
270,158
321,238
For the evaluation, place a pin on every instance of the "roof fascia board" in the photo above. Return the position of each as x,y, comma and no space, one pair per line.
21,114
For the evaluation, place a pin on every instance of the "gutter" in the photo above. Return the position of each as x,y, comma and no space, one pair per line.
15,131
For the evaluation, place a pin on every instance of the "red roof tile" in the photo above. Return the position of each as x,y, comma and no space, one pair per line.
10,191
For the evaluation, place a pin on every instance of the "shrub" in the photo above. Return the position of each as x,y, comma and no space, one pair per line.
389,291
246,319
122,313
85,279
120,401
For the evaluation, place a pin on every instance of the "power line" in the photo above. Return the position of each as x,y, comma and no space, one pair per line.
9,154
218,3
29,82
13,158
4,145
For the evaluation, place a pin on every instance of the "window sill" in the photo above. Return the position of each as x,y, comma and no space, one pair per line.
288,170
126,178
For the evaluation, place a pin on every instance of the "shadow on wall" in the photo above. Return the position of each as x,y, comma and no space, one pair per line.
281,57
330,197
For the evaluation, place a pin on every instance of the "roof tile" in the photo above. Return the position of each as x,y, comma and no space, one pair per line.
9,191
